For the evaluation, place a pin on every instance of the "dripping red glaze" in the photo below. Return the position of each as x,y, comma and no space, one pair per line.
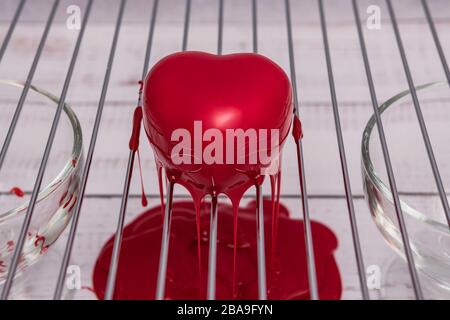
236,91
134,139
17,192
144,200
286,269
134,144
297,131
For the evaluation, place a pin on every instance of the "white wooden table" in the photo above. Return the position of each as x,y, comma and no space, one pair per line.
324,178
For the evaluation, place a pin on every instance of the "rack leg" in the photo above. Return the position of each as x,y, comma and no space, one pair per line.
212,260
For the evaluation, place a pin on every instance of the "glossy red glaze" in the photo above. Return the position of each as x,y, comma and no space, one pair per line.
237,91
17,191
286,267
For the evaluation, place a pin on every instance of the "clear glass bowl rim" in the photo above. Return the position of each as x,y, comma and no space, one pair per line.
369,169
69,167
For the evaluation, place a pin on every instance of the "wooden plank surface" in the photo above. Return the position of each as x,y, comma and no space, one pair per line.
324,176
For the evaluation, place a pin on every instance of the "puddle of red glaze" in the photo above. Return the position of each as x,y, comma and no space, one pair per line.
286,271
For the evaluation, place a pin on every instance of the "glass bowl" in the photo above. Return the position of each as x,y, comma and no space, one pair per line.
421,205
60,185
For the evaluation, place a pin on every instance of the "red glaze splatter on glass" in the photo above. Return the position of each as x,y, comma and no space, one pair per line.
17,192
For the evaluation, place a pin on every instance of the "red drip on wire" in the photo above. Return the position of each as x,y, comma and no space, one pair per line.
143,196
297,131
135,133
134,141
17,192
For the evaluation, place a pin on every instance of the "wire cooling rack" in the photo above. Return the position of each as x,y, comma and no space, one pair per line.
258,23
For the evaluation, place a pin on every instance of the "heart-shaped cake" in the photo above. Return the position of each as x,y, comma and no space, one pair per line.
217,123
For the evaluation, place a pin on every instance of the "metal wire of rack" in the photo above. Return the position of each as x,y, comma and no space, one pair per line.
313,287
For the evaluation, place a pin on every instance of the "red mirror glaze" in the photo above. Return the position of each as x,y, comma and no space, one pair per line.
236,91
286,272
